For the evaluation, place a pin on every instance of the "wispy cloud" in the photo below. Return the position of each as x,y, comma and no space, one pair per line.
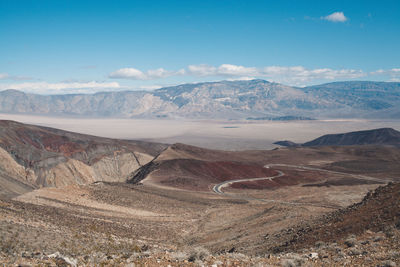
223,70
135,74
292,75
202,70
299,75
394,74
63,87
336,17
6,76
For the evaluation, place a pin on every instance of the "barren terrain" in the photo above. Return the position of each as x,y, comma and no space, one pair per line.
166,213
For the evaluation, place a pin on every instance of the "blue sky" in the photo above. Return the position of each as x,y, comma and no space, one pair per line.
86,46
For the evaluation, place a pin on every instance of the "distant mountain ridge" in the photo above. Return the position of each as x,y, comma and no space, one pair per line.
382,136
220,100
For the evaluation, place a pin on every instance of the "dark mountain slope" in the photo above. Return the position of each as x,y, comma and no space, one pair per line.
382,136
287,143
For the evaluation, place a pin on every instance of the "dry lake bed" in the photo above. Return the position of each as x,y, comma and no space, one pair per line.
227,135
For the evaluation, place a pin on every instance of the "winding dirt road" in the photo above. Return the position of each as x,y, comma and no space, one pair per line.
218,187
356,176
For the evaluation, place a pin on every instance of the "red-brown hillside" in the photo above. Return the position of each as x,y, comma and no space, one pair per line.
200,175
29,144
378,211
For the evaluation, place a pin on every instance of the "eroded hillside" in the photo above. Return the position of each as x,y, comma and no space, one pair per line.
34,156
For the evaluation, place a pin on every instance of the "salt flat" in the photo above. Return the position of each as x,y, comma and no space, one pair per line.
229,135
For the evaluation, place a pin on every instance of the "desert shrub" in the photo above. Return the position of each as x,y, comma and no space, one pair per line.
394,254
238,256
350,242
179,255
355,251
292,260
378,238
290,263
320,244
136,248
388,263
198,253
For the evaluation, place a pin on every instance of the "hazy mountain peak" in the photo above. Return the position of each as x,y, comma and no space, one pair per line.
221,100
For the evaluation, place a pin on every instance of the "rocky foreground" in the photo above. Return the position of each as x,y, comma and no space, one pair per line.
352,239
368,249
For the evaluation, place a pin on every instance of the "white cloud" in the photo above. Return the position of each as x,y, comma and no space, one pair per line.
162,73
394,74
228,70
135,74
128,73
202,70
243,78
148,87
222,70
45,87
292,75
299,75
234,70
336,17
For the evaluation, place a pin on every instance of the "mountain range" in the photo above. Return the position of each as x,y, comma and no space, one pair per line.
253,100
376,137
382,136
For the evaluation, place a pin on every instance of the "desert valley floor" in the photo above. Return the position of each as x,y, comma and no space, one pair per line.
213,134
186,205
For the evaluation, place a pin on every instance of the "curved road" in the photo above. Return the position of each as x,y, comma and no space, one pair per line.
357,176
218,187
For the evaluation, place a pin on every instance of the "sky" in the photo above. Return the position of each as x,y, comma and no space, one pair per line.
52,47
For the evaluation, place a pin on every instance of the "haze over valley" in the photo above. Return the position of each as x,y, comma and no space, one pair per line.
217,134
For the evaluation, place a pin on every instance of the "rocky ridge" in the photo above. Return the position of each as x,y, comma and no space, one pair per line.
382,136
374,137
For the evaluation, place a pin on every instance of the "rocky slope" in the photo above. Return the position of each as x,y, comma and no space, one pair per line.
379,211
383,136
33,156
255,99
198,169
